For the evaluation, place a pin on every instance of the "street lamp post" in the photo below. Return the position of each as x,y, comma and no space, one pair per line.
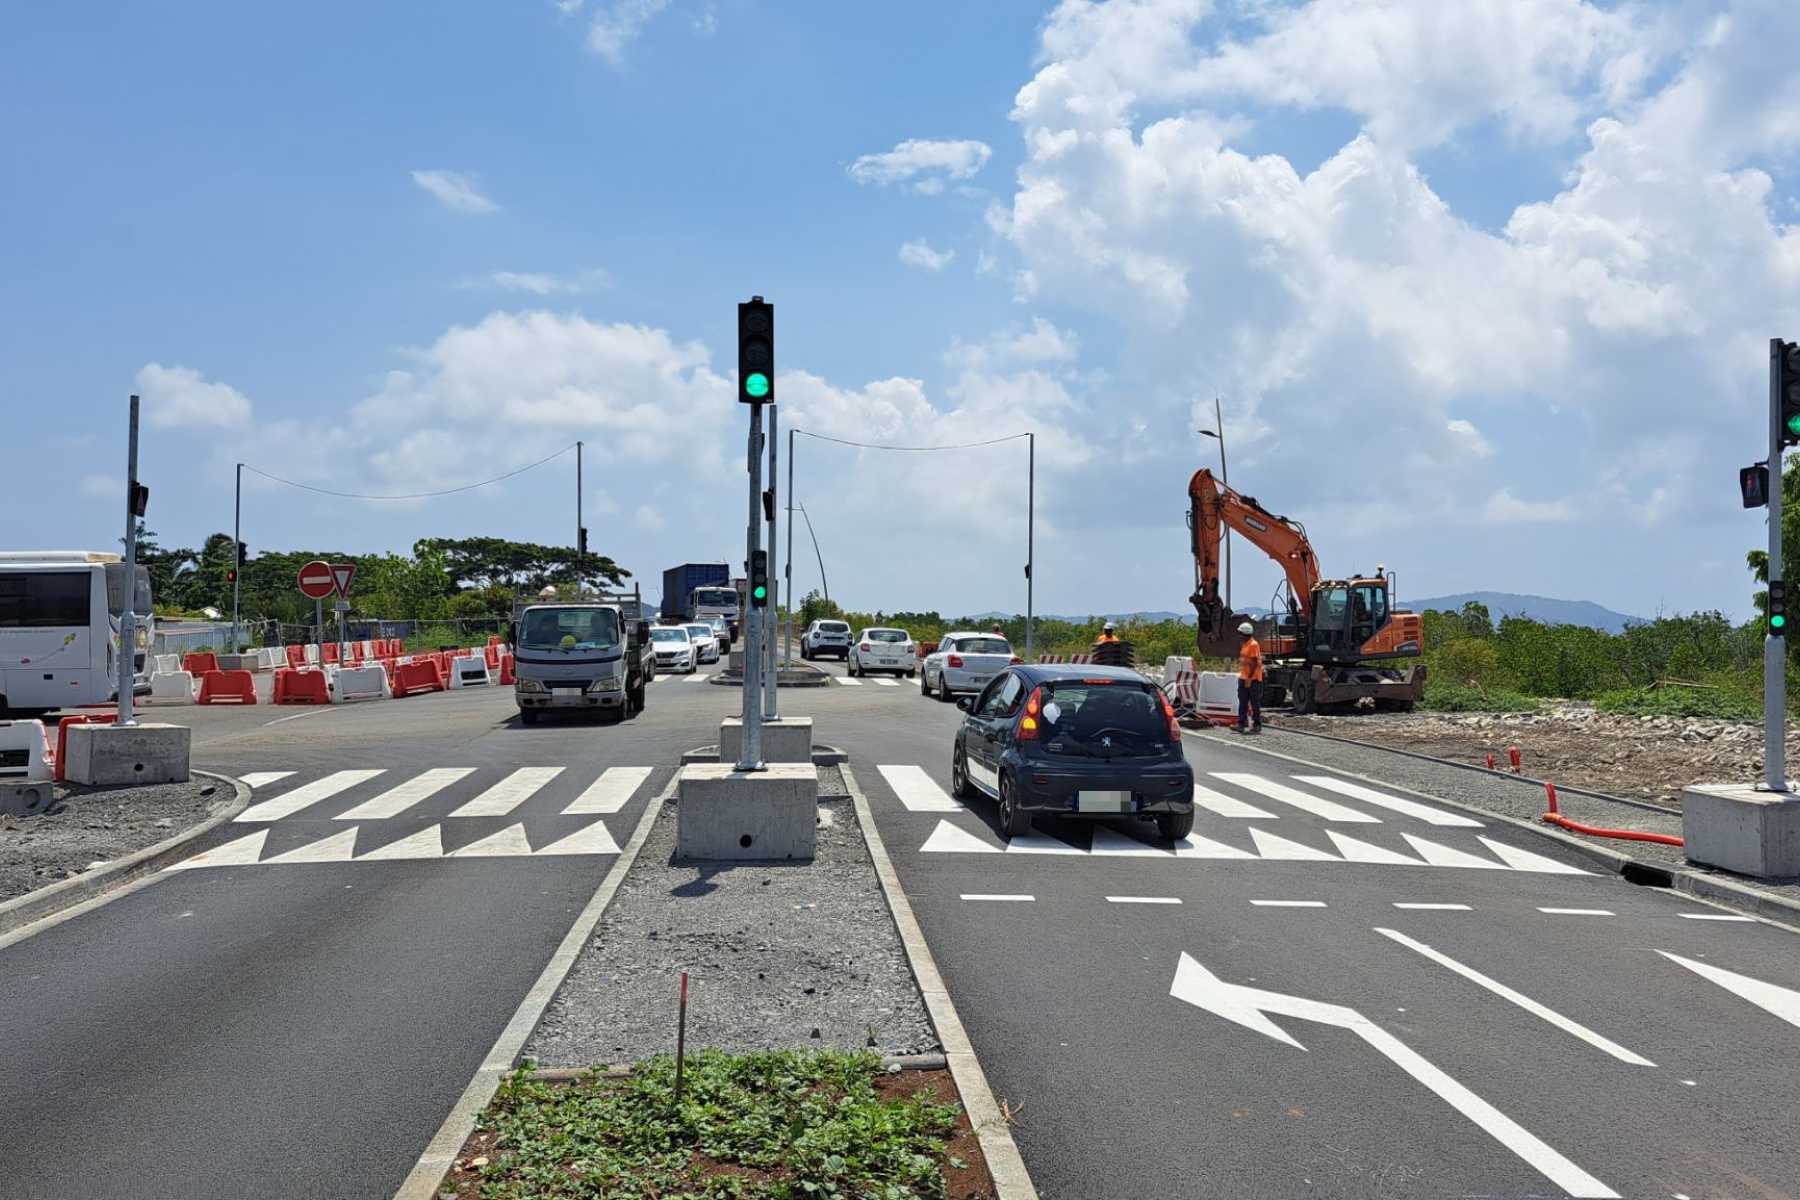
1218,435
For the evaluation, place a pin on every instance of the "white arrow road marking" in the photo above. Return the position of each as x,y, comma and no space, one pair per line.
1525,1002
1411,808
1249,1007
1770,997
1525,860
427,843
339,847
289,803
1329,810
1229,806
1358,851
243,851
610,792
949,839
1276,848
917,790
395,801
595,839
504,844
1444,856
509,793
256,779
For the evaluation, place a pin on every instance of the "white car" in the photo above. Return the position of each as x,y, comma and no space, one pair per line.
675,650
706,646
964,662
883,650
722,633
825,637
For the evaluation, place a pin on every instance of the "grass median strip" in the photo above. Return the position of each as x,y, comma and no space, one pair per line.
771,1125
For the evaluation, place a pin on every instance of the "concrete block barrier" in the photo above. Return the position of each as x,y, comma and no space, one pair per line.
363,683
126,754
24,752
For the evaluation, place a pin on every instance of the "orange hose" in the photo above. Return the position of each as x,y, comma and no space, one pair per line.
1553,817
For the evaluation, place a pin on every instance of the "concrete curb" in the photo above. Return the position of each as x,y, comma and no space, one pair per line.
65,894
427,1175
1681,879
721,679
822,756
1005,1166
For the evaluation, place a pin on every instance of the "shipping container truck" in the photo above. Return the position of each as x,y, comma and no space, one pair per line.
698,592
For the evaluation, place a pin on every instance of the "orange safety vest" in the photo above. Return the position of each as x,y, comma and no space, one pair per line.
1250,664
1107,637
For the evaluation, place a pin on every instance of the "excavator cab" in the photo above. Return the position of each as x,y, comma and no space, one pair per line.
1347,614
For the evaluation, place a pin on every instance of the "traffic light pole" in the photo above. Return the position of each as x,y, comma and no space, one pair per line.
237,539
750,751
1774,645
772,677
128,610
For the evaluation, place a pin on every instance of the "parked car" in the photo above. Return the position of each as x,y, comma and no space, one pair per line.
706,646
1074,741
675,650
824,637
883,650
964,662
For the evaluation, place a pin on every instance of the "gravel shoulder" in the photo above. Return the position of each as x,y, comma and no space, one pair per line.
88,827
780,956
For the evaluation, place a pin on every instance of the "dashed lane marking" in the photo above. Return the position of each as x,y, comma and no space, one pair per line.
1578,912
306,795
1288,903
1411,808
609,793
509,793
1002,897
1714,917
1143,899
1329,810
1431,906
395,801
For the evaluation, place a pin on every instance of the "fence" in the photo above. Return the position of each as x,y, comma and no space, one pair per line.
184,637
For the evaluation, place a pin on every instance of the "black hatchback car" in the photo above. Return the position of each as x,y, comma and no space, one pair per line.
1074,741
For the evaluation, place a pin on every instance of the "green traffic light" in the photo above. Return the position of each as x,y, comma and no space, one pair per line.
1793,424
1778,621
761,593
757,384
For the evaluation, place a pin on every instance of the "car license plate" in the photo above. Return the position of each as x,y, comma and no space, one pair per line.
1102,802
574,691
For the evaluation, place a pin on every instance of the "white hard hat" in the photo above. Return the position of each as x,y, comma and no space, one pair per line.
1246,629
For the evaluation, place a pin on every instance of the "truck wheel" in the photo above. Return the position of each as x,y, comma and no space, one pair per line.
634,703
528,716
1300,693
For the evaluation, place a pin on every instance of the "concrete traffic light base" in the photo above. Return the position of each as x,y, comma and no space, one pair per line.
1737,827
727,815
784,739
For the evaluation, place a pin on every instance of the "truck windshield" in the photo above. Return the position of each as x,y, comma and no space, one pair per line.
716,597
570,629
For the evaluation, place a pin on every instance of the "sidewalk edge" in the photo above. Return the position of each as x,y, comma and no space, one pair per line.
1004,1163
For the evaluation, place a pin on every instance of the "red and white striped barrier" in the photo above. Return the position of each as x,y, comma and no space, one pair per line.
1074,659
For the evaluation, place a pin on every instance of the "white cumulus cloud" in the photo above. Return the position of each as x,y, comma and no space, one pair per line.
918,253
540,283
620,23
924,163
455,190
181,398
1504,508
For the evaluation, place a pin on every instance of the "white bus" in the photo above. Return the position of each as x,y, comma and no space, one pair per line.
60,612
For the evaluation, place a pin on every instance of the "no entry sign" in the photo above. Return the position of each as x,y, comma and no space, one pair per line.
316,580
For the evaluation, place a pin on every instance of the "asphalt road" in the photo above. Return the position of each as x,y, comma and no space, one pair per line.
1264,1011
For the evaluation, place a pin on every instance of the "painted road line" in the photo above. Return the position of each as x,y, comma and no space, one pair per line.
1526,860
1195,846
1431,906
256,779
1444,856
847,681
1250,1007
395,801
885,682
952,839
1228,806
508,843
695,677
609,793
1411,808
239,853
1276,848
1714,917
509,793
306,795
917,791
1002,897
1037,843
1578,912
1771,998
595,839
339,847
427,843
1329,810
1543,1013
1358,851
1289,903
1107,841
1143,899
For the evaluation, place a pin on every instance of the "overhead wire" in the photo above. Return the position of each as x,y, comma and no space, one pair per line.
467,487
1011,437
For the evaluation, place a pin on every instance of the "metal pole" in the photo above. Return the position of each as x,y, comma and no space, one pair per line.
237,539
1225,478
771,680
750,748
823,582
1030,536
788,590
1775,648
128,611
580,558
319,630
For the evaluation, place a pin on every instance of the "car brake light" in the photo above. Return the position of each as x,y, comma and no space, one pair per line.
1174,725
1098,682
1017,660
864,647
1028,724
955,660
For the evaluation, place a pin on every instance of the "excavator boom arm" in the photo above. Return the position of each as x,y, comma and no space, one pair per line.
1214,508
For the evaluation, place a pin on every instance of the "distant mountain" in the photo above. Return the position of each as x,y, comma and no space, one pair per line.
1539,608
1159,615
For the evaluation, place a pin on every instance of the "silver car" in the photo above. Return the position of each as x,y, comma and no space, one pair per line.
883,650
826,637
964,662
675,650
706,646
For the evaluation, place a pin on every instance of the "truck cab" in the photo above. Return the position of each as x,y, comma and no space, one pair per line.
705,603
581,654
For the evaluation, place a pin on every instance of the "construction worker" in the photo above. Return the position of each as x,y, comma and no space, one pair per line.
1250,677
1107,634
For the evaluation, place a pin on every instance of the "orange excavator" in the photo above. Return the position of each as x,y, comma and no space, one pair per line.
1325,651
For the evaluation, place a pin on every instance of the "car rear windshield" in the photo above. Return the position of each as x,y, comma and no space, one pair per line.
833,627
1105,720
885,635
982,645
700,631
668,635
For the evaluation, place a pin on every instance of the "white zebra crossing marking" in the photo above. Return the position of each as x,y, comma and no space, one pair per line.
1329,810
256,779
504,844
1111,842
595,839
696,677
610,792
886,682
244,850
917,791
1444,856
339,847
1770,997
1411,808
1525,860
306,795
952,839
427,843
1195,846
509,793
847,681
1274,847
1229,806
1357,851
1037,843
395,801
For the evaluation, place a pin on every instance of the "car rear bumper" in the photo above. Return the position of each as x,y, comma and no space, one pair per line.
1054,787
872,662
963,680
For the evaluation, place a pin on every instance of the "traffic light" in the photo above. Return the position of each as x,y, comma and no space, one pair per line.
1777,608
759,579
1753,482
1787,383
581,544
140,499
243,552
756,352
231,575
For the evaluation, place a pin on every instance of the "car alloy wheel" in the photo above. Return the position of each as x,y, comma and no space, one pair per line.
959,777
1013,822
944,689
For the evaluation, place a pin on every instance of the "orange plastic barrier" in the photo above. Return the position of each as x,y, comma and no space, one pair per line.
62,734
493,656
328,652
296,656
493,639
227,687
506,670
200,662
301,687
416,677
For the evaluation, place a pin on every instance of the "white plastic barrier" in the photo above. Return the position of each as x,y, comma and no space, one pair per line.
268,659
312,654
172,687
362,683
1175,664
1218,694
28,736
164,664
469,670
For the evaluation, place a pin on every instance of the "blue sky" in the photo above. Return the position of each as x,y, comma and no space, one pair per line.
1485,287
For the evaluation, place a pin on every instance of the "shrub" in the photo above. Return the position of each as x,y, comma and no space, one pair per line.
1452,697
1678,702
